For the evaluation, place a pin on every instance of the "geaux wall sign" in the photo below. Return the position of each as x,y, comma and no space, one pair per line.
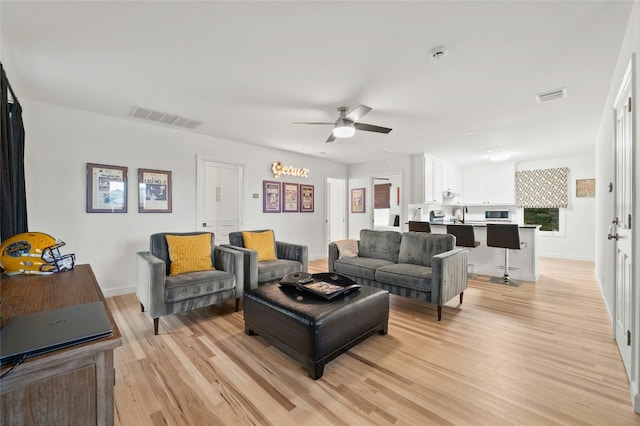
280,169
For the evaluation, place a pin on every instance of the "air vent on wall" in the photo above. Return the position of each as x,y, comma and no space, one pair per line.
549,96
161,117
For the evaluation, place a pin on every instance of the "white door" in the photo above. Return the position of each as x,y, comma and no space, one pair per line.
620,231
219,198
336,210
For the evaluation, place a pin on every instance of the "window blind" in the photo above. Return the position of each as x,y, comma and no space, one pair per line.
544,188
382,194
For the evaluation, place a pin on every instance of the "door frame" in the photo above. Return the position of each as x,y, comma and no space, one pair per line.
330,194
632,361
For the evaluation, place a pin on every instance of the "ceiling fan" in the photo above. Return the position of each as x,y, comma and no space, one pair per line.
346,125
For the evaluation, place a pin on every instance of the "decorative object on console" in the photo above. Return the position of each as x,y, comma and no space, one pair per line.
271,196
357,200
307,200
106,189
154,191
34,253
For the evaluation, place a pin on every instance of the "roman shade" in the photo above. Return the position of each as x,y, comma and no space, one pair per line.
544,188
382,194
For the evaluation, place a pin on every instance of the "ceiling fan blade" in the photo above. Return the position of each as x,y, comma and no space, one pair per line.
371,128
331,138
303,122
357,113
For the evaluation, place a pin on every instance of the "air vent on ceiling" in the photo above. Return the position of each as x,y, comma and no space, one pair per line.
161,117
549,96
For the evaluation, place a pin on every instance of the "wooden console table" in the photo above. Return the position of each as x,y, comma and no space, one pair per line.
69,386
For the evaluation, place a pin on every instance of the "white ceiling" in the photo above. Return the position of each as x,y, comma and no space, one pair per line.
248,70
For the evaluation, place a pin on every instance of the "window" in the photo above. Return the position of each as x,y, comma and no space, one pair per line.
547,218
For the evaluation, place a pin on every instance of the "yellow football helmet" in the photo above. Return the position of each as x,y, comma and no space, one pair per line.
34,253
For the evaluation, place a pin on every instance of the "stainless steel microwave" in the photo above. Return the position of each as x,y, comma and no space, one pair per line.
497,215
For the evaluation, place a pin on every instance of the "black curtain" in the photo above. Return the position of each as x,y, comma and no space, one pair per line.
13,199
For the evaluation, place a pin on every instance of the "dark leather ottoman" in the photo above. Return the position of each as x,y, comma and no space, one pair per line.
310,329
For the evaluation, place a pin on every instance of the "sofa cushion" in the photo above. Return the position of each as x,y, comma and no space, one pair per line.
379,244
262,242
189,253
347,248
418,248
196,284
408,275
273,270
362,267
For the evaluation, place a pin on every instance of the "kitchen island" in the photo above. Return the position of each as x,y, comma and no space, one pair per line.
523,263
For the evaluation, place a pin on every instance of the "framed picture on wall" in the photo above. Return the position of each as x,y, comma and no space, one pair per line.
106,188
357,200
306,198
154,191
290,197
271,195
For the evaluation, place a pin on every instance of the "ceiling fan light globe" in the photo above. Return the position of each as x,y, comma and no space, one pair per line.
343,129
343,132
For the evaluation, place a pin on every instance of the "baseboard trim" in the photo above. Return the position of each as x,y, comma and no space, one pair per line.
118,291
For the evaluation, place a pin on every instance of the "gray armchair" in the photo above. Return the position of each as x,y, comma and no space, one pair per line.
290,258
164,294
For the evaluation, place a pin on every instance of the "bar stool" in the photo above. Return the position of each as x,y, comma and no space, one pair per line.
416,226
506,236
465,237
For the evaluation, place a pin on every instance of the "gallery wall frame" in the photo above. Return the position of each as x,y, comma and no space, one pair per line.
357,200
290,197
154,191
271,195
106,188
307,198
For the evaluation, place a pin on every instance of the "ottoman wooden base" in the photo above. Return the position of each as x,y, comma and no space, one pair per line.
313,330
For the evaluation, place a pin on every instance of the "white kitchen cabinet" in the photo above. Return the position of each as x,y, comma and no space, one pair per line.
489,184
431,177
433,168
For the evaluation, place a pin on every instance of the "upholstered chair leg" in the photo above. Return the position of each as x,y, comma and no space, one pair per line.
439,312
461,296
237,303
141,307
156,321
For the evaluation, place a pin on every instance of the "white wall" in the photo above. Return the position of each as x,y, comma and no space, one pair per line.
579,239
59,143
605,262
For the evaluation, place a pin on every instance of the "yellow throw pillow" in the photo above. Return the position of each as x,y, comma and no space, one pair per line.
262,242
189,253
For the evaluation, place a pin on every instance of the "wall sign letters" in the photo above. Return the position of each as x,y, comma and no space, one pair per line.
280,169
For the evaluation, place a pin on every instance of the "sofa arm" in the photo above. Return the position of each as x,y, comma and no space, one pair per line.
333,255
231,261
449,275
250,264
296,252
150,283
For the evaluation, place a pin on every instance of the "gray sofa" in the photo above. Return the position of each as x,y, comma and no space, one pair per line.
422,266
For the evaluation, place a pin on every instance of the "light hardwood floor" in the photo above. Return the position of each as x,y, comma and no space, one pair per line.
537,354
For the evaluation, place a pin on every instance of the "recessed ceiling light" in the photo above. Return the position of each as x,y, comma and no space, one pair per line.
389,150
498,154
471,132
438,52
